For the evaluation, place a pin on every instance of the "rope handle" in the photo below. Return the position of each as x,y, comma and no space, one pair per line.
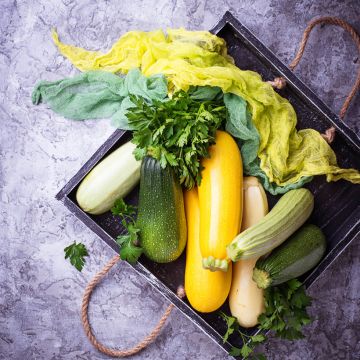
86,324
280,82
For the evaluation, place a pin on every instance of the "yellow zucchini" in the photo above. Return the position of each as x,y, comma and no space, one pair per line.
246,300
205,290
220,199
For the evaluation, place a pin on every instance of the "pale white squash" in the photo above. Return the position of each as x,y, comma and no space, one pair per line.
111,179
246,300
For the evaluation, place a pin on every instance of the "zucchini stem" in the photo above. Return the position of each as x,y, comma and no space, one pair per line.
213,264
233,252
262,278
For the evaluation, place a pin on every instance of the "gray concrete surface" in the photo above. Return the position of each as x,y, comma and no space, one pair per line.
40,293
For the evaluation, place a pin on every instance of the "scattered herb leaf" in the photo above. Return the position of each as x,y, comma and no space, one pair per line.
177,132
76,253
129,242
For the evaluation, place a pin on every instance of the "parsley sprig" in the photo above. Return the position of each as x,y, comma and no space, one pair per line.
285,314
76,254
177,132
129,242
124,210
249,342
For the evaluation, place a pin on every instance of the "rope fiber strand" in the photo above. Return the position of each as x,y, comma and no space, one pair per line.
330,133
86,324
346,26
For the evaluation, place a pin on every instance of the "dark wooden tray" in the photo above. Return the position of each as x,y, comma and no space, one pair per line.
337,205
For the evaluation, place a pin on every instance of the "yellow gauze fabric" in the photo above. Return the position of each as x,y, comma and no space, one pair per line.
200,58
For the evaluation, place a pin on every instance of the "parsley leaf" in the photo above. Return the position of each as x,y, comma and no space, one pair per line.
232,325
235,351
176,132
245,351
76,253
258,338
122,209
129,242
129,250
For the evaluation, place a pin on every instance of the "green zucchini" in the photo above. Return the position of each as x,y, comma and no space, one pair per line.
297,255
111,179
289,213
161,213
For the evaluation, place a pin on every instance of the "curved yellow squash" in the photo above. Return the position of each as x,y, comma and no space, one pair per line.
205,290
220,198
246,300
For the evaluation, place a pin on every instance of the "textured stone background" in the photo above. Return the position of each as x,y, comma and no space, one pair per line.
40,292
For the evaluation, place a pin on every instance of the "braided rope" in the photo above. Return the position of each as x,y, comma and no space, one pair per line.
86,324
279,83
346,26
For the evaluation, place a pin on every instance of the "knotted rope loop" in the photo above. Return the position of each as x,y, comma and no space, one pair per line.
86,324
330,133
278,83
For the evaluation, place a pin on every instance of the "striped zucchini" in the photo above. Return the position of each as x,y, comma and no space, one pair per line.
161,213
297,255
290,212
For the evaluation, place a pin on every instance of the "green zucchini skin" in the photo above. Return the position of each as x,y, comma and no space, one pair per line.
297,255
289,213
161,213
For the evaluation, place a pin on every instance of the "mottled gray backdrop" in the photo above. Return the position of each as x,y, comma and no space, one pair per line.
40,292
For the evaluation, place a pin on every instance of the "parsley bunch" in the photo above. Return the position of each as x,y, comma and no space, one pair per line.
285,310
285,314
177,132
129,242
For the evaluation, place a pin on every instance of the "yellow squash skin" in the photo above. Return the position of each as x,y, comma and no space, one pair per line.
246,300
205,290
220,198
